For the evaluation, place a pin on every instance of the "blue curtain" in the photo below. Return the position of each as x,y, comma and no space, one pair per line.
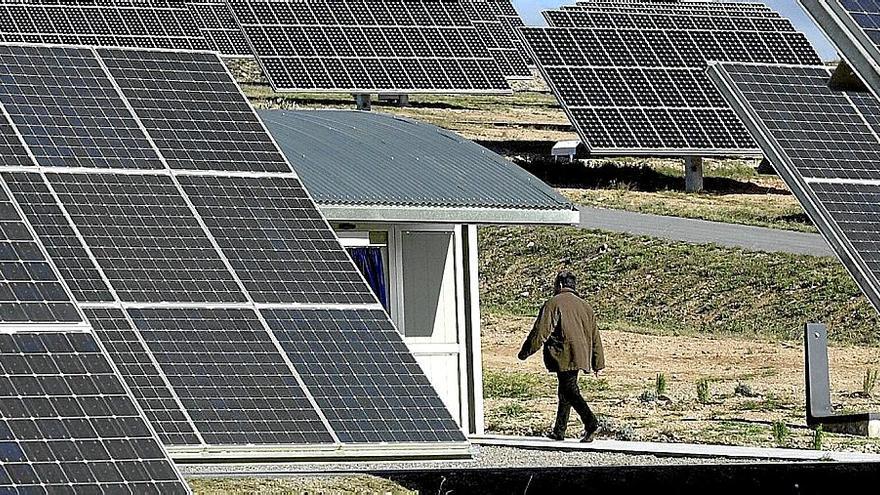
369,261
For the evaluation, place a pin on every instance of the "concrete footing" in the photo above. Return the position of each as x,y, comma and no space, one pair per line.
363,102
693,174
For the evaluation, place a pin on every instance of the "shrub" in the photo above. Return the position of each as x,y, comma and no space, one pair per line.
703,393
781,433
660,385
869,382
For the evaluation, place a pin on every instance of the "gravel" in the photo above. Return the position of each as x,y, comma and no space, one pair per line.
484,457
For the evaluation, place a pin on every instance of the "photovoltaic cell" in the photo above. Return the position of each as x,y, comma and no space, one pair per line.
825,145
67,423
194,111
276,240
369,46
362,376
29,289
230,376
58,237
123,23
68,111
218,26
634,83
142,376
145,238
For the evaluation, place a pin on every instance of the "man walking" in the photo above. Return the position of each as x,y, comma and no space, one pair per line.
566,328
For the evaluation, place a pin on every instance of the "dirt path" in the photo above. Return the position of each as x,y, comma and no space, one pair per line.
771,371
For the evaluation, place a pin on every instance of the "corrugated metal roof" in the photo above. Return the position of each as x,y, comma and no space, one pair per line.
373,159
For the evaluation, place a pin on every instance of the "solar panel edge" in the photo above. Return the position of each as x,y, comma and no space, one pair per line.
800,187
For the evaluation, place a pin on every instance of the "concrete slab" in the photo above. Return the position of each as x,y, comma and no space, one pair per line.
676,449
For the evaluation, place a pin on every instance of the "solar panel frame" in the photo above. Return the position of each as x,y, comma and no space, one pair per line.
817,191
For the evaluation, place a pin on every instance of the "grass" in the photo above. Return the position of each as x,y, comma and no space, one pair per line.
657,286
305,484
769,210
735,192
513,385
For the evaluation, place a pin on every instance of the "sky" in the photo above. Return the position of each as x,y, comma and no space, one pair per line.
530,10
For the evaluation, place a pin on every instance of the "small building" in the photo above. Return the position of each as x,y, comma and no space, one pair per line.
405,199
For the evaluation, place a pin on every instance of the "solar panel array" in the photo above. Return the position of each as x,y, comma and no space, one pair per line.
497,35
67,421
632,79
233,314
125,23
824,143
369,46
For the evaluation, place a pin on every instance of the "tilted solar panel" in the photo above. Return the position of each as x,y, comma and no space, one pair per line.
824,143
123,23
641,89
369,46
182,242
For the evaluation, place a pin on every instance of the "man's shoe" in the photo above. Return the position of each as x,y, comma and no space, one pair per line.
555,436
590,433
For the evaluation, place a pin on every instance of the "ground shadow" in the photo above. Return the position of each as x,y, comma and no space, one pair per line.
636,177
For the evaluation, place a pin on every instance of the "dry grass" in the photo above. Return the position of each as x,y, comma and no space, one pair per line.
311,485
773,370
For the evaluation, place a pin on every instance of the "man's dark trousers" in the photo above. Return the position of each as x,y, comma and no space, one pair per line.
570,396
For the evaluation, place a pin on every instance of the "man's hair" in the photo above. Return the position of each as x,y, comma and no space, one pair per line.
565,280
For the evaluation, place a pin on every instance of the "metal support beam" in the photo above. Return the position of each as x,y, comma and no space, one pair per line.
693,174
363,101
818,389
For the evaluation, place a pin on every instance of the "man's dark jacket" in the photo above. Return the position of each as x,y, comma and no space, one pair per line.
566,327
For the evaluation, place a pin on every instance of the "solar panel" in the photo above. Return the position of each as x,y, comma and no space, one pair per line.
179,256
362,376
124,23
61,242
30,290
484,14
854,28
642,90
630,18
273,235
145,238
824,144
193,111
143,376
74,119
68,425
369,46
230,377
218,26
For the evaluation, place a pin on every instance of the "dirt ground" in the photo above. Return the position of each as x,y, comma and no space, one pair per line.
520,397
